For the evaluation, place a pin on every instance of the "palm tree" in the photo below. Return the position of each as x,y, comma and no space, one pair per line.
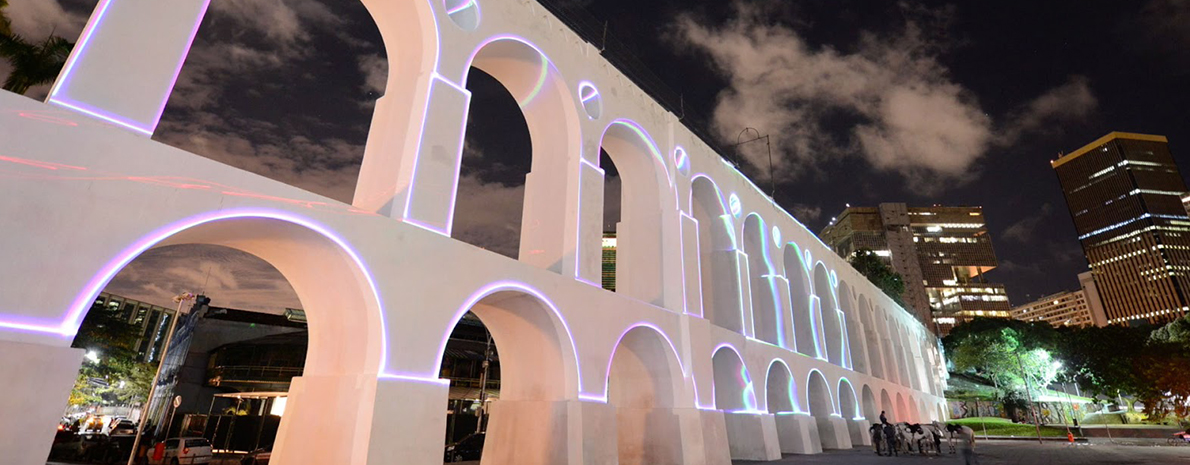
33,63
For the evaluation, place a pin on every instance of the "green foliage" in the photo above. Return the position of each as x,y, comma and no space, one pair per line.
5,23
1176,332
113,340
872,267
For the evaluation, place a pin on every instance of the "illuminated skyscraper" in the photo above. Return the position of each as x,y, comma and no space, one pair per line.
609,261
1124,193
941,253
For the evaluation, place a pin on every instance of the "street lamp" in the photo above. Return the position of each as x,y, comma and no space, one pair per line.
181,299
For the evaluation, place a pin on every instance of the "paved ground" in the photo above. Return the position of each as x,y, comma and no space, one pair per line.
1001,453
1009,452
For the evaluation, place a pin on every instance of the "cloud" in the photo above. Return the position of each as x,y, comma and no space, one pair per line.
806,213
375,70
283,23
231,278
488,215
36,19
902,111
1164,26
911,118
1072,101
1022,230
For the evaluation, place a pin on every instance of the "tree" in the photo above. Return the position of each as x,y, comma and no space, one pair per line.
5,23
33,64
1176,332
111,342
872,267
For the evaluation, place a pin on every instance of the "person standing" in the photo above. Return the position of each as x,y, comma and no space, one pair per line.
967,444
883,419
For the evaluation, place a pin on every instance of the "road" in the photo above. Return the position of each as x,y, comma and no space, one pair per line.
1008,452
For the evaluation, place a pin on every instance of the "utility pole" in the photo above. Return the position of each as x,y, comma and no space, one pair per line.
181,299
1029,395
483,382
768,146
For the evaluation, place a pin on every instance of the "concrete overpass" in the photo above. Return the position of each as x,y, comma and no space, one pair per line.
733,333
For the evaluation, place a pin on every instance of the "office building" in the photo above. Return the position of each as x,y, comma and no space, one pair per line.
1124,193
942,254
609,261
1068,308
151,320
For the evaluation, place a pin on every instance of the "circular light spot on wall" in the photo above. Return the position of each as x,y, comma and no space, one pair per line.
682,161
591,100
777,236
733,203
464,13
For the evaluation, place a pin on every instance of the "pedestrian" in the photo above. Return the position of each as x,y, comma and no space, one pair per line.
967,444
890,439
883,419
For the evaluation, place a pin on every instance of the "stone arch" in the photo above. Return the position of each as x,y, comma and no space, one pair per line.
766,319
647,211
645,381
849,406
818,395
828,312
852,330
903,412
719,276
923,411
346,319
780,388
732,384
887,406
538,371
805,325
868,404
532,338
942,412
548,106
872,336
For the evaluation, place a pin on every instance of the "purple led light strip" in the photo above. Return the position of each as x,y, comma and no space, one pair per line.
70,322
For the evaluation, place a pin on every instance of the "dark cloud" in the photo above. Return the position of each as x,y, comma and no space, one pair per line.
1022,230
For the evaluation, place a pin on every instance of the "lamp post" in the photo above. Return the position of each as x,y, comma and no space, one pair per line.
1029,395
181,299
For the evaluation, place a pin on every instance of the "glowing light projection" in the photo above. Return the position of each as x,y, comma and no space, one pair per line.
682,161
748,391
790,387
859,414
733,202
464,13
70,322
829,397
589,97
776,235
608,373
514,286
648,140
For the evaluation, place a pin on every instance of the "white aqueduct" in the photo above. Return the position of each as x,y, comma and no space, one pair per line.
733,333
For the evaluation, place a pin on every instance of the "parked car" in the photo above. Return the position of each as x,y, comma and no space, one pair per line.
258,457
182,451
468,448
123,428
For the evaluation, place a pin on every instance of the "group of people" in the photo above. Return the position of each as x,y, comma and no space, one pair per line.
887,440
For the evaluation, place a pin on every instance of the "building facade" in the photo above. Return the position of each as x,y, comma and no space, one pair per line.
608,273
1068,308
1124,193
942,253
152,321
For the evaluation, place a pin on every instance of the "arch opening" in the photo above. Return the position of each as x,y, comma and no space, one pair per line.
903,412
534,368
887,407
780,389
801,305
869,406
718,264
848,402
829,313
637,181
852,330
767,321
645,381
523,122
872,336
732,384
238,352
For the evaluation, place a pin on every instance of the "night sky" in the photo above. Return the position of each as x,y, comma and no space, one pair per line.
920,102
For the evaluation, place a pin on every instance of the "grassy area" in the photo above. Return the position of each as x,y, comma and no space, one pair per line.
1002,427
